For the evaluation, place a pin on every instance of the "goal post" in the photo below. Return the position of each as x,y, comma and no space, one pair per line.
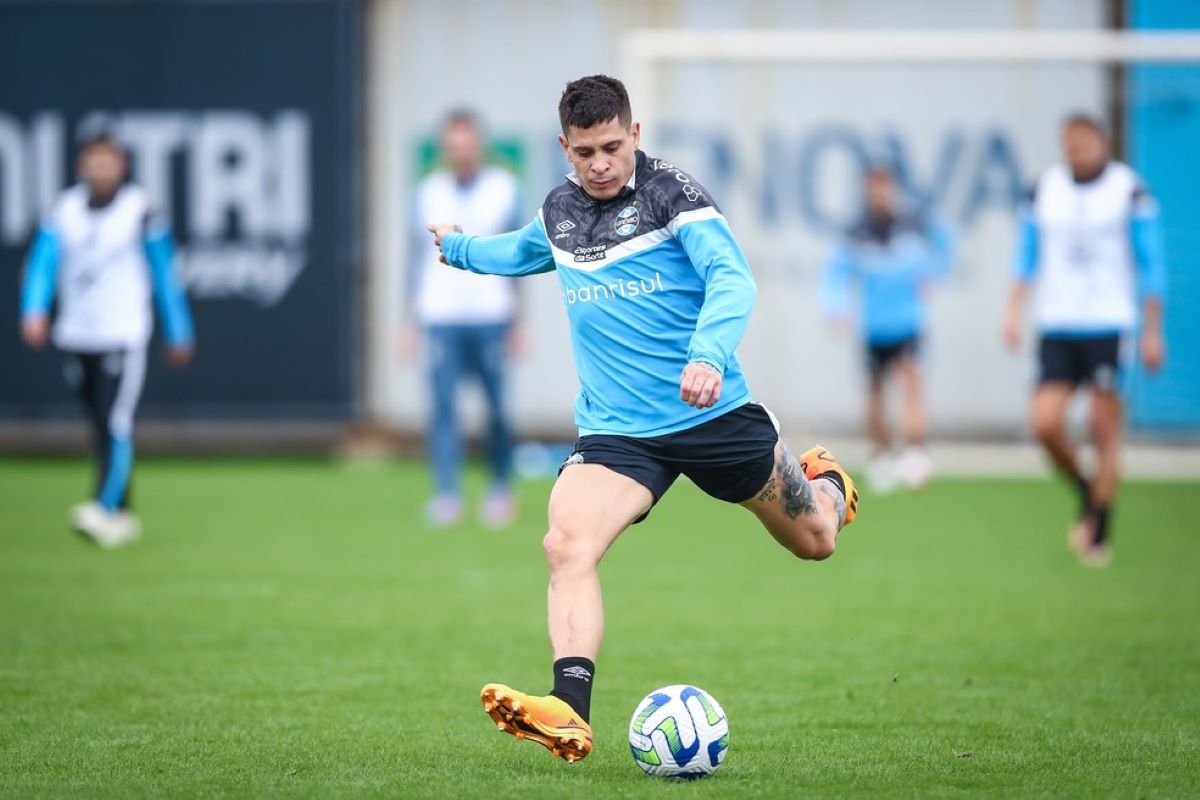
643,49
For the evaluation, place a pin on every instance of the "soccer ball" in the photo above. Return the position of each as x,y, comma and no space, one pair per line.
679,732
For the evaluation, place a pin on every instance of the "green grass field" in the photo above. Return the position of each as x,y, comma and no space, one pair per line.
289,629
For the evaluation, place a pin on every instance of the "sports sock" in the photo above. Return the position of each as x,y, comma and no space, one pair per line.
1085,495
1100,535
573,683
835,479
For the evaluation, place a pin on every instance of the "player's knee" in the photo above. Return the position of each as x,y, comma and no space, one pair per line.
1105,429
1046,426
564,544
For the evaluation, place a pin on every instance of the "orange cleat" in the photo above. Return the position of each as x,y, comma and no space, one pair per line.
816,462
544,719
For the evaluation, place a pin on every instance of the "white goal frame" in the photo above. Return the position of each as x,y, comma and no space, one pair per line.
642,49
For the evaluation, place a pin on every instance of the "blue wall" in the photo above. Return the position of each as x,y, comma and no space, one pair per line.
1163,124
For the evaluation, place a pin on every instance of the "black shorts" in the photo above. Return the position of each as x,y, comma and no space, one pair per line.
730,457
1081,361
881,356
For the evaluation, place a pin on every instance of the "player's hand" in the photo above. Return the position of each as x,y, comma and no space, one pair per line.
35,330
439,231
1153,350
700,385
408,342
516,341
180,354
1012,330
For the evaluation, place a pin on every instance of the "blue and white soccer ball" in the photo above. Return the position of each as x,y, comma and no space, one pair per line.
679,732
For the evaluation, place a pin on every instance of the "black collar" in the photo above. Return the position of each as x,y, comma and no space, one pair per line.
1081,180
97,202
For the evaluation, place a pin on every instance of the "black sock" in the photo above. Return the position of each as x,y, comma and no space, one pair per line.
573,683
1085,495
1100,535
836,479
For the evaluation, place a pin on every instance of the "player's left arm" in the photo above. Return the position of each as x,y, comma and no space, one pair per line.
1145,235
167,289
729,293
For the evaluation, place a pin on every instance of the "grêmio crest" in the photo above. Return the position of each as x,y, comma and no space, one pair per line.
626,221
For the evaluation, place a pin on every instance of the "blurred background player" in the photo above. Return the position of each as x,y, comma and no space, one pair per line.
1089,245
884,265
102,254
468,323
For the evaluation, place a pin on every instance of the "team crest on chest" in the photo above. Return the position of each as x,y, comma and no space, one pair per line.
627,220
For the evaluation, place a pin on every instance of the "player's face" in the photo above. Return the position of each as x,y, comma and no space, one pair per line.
462,147
1085,149
102,169
604,156
881,193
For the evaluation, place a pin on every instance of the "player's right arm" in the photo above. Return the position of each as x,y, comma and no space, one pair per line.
837,279
41,281
168,292
1024,267
522,252
1146,242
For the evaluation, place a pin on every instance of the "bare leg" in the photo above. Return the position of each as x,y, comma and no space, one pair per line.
914,401
1106,434
1047,419
589,508
1106,427
804,516
877,430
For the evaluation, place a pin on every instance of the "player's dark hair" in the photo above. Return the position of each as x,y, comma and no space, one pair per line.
101,140
594,100
462,116
1080,119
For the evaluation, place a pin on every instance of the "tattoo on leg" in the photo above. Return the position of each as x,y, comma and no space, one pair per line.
770,492
827,487
797,491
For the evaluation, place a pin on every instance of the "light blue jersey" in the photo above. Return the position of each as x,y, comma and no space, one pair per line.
889,264
652,279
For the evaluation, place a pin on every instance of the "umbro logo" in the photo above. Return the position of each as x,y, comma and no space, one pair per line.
564,229
578,672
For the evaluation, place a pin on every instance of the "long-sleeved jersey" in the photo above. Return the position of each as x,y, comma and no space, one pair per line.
889,263
1089,249
652,279
103,265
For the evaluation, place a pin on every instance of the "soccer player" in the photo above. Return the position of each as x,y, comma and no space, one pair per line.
1090,247
886,262
658,294
468,322
102,254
